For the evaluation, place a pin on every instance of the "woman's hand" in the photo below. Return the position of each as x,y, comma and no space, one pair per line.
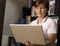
27,43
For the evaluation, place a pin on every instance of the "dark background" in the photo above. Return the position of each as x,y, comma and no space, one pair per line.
2,10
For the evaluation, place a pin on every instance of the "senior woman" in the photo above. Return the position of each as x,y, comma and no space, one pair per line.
49,25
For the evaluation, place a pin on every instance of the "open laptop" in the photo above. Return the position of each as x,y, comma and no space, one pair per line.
32,33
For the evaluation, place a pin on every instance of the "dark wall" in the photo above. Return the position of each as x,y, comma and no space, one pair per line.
2,9
58,33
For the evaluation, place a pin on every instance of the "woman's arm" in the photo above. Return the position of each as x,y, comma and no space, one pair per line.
52,32
52,37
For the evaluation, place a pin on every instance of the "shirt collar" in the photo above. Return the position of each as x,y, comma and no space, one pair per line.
44,20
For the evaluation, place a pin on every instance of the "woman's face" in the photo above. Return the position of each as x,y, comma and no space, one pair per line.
41,10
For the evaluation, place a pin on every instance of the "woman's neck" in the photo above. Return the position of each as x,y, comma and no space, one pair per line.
40,19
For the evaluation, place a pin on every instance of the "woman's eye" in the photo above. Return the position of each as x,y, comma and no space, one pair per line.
42,7
37,7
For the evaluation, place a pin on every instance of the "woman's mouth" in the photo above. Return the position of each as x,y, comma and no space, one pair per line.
39,13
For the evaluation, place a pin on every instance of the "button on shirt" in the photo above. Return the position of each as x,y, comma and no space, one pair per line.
48,25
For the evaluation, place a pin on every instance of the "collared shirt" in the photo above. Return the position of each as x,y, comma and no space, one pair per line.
48,25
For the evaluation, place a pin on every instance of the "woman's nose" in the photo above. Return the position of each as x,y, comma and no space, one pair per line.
39,9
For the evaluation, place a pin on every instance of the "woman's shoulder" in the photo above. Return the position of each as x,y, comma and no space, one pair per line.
50,20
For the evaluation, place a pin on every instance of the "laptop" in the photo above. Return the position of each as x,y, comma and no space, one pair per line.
32,33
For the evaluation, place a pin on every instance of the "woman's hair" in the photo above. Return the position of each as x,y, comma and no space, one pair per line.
44,2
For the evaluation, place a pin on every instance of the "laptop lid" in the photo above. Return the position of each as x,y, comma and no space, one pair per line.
32,33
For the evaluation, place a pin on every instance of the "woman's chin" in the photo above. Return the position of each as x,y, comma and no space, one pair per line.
39,15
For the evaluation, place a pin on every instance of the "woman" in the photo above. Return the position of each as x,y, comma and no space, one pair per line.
49,26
